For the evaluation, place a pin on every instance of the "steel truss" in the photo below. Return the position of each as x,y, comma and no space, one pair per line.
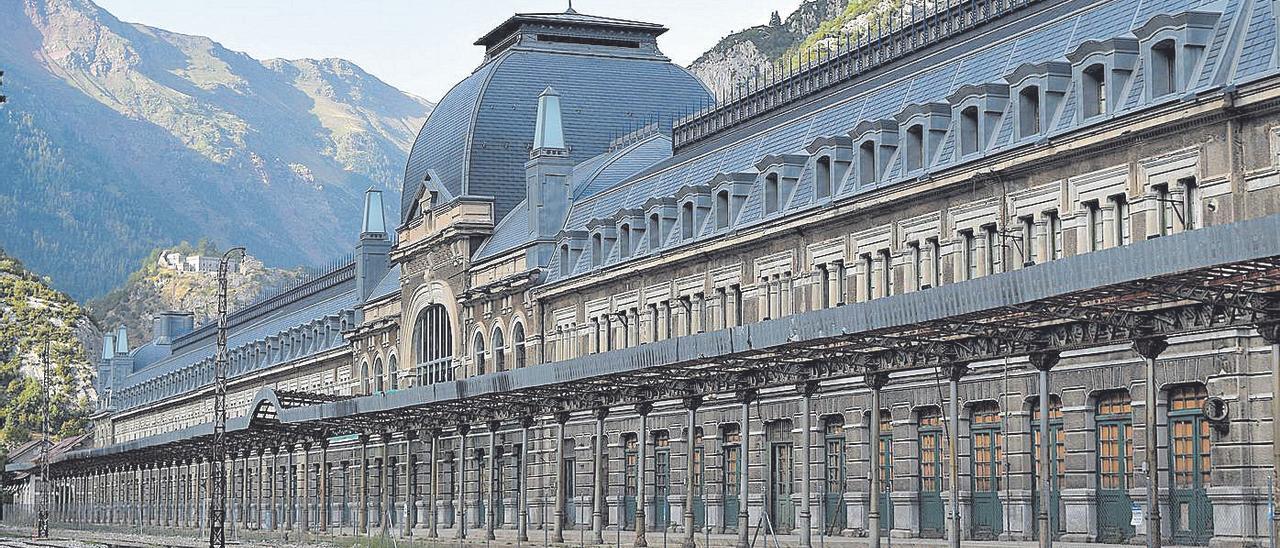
1234,295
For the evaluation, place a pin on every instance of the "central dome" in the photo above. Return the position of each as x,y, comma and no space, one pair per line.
611,77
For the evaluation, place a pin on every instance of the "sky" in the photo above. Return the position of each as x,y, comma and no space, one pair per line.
423,46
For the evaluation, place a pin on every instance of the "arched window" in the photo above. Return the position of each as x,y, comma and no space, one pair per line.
499,351
565,267
377,376
432,346
1164,68
597,249
366,382
771,196
867,162
393,369
722,209
1028,111
624,240
969,142
825,174
517,345
655,237
478,353
915,147
1095,90
686,221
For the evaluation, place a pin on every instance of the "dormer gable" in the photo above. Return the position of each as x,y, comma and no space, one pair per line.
630,229
660,220
831,158
729,192
921,128
569,246
978,108
779,174
1172,48
1101,71
603,235
694,203
1037,89
874,143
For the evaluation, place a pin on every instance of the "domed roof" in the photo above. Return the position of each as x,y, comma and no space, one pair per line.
611,79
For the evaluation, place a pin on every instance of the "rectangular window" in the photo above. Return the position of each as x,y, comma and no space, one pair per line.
970,254
722,299
824,287
886,273
1093,218
992,247
1028,239
1164,209
917,264
1053,231
736,292
1120,206
935,262
1190,197
840,283
868,280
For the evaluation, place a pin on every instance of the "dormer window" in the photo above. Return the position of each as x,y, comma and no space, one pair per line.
1094,100
686,221
597,249
771,193
914,151
867,162
1028,111
825,174
624,240
969,143
655,240
1164,68
722,209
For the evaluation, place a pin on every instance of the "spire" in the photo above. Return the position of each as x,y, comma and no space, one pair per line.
375,221
122,340
549,132
108,346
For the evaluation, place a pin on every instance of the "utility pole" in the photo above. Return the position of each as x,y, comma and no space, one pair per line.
42,517
218,460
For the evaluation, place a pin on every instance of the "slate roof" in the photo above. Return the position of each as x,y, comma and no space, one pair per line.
478,137
388,285
971,59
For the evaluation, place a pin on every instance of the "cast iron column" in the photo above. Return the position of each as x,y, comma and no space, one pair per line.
1043,362
557,528
433,475
1271,334
876,382
642,436
323,482
489,510
599,478
954,373
522,475
364,485
744,536
691,405
806,390
385,504
1150,349
410,481
462,480
305,489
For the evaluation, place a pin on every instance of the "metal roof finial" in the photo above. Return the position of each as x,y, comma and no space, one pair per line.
570,10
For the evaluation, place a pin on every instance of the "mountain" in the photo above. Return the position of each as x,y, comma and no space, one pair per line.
31,315
119,138
153,288
816,24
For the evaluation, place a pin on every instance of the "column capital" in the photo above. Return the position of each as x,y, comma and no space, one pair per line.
1044,360
526,422
600,413
434,432
364,438
1150,347
693,402
876,379
562,417
807,388
1270,331
644,408
385,437
323,442
494,425
956,371
464,429
747,395
306,445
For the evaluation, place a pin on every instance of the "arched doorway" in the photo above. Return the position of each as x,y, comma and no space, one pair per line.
432,346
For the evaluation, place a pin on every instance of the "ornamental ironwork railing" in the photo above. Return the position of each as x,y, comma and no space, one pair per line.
915,26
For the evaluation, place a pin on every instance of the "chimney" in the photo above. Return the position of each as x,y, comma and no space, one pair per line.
374,250
548,169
